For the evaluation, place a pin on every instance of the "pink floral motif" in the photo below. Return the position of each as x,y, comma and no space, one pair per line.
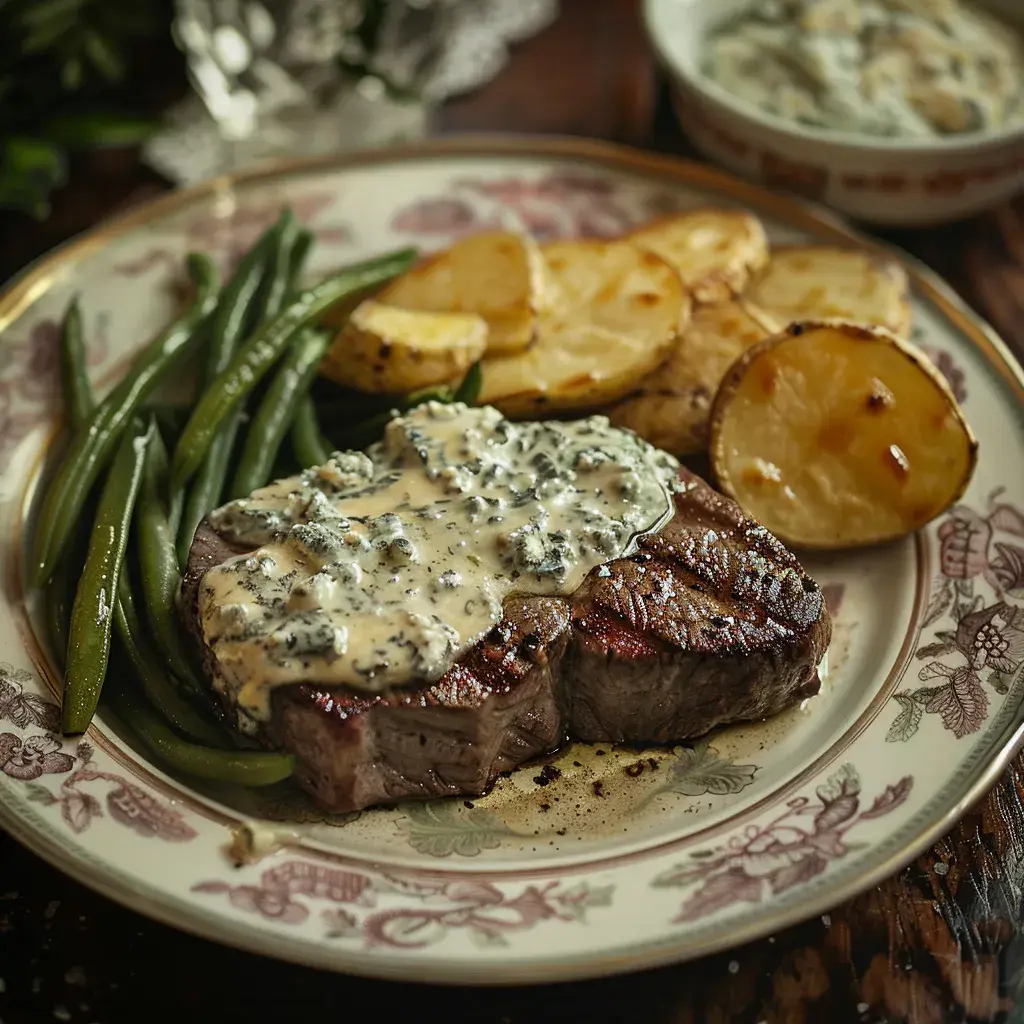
148,261
560,204
127,803
32,362
989,546
306,879
979,637
27,758
445,217
29,379
787,852
143,813
257,900
31,757
418,912
229,237
954,374
14,425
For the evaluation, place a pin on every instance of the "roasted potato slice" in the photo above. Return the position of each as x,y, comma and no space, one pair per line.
812,282
836,435
617,311
672,405
389,351
499,276
715,251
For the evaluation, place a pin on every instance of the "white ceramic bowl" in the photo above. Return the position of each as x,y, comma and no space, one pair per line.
880,180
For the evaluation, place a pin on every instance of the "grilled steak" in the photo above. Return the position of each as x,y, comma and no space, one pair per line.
711,621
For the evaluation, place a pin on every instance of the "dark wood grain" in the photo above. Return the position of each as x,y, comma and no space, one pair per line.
939,942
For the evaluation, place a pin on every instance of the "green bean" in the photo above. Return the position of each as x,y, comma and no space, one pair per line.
242,305
89,634
170,419
247,768
75,387
276,412
259,354
277,282
469,390
76,392
308,444
282,274
206,489
160,575
304,242
57,603
233,315
99,437
153,678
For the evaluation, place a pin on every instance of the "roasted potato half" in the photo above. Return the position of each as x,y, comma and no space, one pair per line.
672,406
389,351
617,311
499,276
715,251
817,282
836,435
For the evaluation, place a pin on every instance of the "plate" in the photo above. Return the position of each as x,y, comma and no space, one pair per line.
609,859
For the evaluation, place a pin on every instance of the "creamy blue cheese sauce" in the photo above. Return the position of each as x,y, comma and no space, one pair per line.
380,569
898,68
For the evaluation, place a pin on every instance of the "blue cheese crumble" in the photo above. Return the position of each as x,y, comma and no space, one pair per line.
380,569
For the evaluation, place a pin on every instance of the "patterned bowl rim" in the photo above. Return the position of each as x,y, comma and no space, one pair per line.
26,288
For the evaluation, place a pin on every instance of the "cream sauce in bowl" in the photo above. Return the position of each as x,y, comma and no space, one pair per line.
912,69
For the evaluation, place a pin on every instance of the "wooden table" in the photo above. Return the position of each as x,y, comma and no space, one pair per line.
924,947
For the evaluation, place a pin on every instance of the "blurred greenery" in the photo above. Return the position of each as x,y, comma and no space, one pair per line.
69,73
76,74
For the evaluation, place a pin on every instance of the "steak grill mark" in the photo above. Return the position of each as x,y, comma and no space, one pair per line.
711,621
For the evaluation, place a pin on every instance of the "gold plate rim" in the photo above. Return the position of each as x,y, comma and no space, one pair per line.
26,288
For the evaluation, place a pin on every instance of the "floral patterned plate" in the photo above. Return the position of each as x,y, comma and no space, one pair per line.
603,860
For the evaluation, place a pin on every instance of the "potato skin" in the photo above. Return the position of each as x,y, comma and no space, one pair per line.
388,351
498,275
858,333
671,407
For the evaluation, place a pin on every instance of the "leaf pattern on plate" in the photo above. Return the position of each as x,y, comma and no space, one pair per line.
697,770
445,827
770,859
24,709
907,721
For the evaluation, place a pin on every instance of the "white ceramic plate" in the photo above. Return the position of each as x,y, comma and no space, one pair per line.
622,859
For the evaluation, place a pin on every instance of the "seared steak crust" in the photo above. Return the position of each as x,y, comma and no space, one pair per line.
712,621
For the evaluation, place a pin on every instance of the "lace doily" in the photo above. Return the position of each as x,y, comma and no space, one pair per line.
268,76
